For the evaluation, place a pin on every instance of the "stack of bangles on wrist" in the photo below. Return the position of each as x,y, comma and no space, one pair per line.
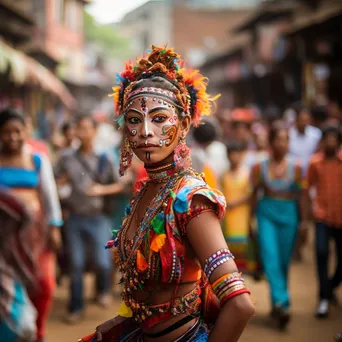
229,285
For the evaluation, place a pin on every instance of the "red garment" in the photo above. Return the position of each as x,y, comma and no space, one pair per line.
141,176
43,297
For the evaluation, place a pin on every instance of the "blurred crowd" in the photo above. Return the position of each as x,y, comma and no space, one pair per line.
281,174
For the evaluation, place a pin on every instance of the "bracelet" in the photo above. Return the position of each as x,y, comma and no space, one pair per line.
228,286
234,294
216,263
226,278
212,262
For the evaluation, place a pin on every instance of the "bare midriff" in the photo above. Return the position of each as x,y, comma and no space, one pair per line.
163,295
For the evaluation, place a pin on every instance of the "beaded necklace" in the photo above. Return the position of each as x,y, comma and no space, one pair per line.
161,174
131,277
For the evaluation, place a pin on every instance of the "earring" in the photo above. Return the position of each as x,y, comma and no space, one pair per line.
181,155
126,157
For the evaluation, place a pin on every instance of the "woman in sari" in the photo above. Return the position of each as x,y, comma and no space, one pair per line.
17,265
179,279
29,176
277,182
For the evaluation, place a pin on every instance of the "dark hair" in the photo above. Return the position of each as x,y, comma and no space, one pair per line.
66,126
236,146
85,117
332,130
11,114
205,133
275,129
298,108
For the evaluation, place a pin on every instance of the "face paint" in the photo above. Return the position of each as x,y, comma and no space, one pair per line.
174,119
145,111
153,128
170,132
133,144
133,132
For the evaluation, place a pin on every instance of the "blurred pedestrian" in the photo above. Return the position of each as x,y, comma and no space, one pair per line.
237,191
69,135
260,152
29,176
280,180
304,142
91,177
205,159
324,176
17,271
304,138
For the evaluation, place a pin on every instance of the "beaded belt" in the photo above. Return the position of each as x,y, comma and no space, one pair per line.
144,313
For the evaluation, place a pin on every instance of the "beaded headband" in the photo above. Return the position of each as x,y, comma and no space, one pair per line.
191,87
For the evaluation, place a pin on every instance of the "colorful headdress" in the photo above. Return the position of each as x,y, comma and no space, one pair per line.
191,95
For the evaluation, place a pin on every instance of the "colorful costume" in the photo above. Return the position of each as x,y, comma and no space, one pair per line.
159,254
278,219
17,314
36,187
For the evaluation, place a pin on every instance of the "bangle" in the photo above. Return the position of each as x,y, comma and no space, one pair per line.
228,286
234,294
216,259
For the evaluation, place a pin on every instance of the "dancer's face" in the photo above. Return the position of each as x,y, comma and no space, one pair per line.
154,128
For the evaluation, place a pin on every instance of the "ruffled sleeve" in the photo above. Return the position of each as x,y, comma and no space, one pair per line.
183,206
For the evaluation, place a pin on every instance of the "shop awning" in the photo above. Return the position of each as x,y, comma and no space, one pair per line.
312,20
25,70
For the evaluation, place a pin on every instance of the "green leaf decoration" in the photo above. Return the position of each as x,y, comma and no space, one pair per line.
158,224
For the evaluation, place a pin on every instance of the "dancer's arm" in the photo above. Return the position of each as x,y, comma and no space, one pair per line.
205,235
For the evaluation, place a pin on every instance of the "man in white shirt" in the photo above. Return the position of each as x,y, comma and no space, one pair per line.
304,138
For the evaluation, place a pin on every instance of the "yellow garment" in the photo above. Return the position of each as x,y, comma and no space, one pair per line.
210,176
236,185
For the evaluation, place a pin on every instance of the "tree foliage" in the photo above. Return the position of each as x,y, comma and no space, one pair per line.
107,36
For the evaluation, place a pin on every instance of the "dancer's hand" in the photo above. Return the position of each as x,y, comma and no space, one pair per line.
105,327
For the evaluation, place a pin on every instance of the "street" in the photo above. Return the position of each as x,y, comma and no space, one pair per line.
303,327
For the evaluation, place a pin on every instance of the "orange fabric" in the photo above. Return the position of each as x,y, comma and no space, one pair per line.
141,262
325,175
